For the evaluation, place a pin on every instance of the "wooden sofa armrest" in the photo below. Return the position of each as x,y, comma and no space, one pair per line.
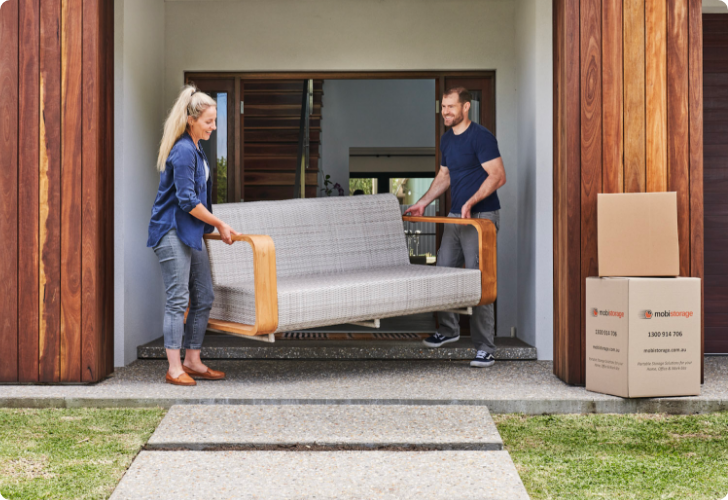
266,288
488,255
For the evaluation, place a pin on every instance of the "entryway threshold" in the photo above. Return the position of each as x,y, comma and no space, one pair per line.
219,346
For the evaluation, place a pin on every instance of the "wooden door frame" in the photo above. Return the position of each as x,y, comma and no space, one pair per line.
438,76
340,75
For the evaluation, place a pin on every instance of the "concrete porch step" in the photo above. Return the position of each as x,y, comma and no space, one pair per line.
326,427
321,475
220,346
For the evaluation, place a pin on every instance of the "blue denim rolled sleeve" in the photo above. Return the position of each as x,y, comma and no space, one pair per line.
183,160
182,186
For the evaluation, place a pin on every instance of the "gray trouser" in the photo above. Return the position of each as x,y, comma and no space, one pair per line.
460,246
186,273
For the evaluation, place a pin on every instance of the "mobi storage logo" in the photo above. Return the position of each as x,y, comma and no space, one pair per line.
606,312
649,314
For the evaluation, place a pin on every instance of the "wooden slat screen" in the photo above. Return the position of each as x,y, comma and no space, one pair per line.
678,141
28,193
567,191
715,175
627,118
270,129
9,200
634,96
50,191
612,98
695,106
656,96
56,132
71,92
591,140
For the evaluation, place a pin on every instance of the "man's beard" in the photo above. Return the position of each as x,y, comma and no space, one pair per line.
456,120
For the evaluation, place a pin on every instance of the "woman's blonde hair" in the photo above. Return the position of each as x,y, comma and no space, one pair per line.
191,102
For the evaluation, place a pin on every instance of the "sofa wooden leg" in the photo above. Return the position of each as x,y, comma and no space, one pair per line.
467,311
375,323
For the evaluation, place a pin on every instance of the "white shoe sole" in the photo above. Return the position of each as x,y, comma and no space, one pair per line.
481,364
452,339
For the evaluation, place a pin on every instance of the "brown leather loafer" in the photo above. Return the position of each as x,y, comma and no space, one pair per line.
183,379
210,374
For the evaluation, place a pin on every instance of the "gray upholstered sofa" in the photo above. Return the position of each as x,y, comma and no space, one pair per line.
325,261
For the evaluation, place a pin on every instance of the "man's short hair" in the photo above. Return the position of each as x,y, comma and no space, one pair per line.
464,94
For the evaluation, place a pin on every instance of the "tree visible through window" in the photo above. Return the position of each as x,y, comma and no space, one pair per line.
221,180
366,185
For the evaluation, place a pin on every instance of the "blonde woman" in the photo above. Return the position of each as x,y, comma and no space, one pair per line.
180,216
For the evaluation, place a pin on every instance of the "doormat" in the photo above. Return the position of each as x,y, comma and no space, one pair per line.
350,336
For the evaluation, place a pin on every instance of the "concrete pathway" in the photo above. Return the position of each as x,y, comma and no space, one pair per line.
335,475
324,452
509,386
205,427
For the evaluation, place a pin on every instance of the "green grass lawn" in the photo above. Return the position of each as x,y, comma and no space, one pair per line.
619,456
69,453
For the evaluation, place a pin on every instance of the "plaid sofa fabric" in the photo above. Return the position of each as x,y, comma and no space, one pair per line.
338,260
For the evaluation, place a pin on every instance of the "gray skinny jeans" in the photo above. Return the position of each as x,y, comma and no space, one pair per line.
186,272
460,246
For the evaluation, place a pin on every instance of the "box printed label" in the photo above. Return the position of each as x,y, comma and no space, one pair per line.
607,312
648,314
606,351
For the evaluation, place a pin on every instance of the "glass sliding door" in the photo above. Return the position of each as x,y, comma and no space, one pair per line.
216,150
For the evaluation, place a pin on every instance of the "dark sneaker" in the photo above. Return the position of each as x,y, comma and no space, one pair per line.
483,360
437,340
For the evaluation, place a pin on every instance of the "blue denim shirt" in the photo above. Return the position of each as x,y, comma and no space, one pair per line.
182,186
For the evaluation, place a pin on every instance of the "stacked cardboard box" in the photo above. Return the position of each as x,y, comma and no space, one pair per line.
643,322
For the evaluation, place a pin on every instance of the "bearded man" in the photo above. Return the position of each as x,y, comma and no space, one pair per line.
472,168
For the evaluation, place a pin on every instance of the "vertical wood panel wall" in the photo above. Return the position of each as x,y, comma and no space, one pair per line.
28,200
56,135
9,200
627,118
715,97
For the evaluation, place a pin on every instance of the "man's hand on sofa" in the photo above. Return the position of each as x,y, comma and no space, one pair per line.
416,210
465,211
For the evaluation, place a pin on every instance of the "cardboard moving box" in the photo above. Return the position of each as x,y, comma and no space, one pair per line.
637,234
643,336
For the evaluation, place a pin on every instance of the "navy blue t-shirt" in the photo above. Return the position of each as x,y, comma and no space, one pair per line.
463,155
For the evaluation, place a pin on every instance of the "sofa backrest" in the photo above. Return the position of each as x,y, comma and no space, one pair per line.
312,236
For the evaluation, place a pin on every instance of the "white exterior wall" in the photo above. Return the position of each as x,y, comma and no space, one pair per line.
138,117
535,174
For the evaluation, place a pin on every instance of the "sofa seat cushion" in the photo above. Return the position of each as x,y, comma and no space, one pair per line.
317,300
